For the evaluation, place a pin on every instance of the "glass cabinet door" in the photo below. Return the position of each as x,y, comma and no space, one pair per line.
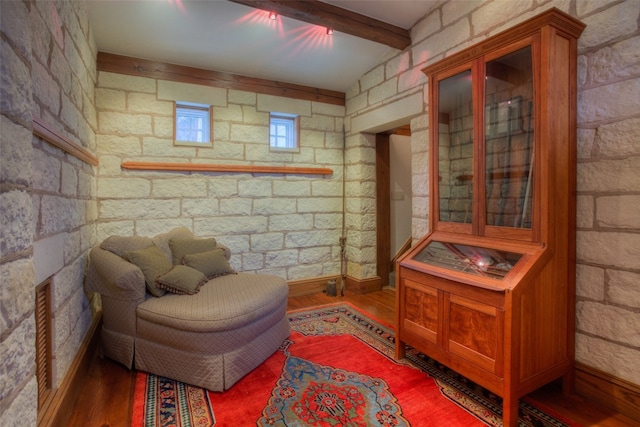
455,148
509,140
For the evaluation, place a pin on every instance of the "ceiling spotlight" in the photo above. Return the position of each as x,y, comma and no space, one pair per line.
329,31
273,16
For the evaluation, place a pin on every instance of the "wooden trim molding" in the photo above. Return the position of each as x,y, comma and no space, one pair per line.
612,392
180,73
310,286
363,286
319,284
383,207
49,134
197,167
405,247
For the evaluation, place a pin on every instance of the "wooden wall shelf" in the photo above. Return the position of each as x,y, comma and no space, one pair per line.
197,167
46,132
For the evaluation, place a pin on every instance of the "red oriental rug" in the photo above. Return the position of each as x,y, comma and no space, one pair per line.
336,369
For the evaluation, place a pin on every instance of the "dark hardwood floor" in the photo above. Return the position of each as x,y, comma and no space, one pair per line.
107,395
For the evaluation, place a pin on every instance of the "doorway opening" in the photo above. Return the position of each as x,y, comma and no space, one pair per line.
393,200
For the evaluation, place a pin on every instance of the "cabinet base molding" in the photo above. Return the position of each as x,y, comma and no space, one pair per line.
608,390
57,410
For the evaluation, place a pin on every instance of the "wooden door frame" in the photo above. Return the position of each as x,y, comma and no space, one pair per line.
383,208
383,202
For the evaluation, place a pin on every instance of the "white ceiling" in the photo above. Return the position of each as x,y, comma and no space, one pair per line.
223,36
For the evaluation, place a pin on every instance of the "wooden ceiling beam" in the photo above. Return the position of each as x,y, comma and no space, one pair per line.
345,21
179,73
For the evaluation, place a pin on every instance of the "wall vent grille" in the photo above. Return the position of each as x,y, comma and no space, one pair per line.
43,341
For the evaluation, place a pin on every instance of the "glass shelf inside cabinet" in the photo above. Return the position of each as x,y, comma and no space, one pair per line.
492,263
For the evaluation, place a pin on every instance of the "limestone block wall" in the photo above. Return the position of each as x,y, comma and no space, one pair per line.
608,236
388,96
608,219
47,205
288,225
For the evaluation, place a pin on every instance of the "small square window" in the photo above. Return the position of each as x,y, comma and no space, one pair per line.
283,132
193,124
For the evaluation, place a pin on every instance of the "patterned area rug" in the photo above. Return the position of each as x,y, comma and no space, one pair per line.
336,369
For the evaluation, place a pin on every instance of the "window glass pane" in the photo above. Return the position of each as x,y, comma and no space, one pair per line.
509,140
192,123
283,132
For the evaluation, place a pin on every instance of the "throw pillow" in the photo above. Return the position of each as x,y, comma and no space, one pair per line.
182,247
182,280
153,263
211,263
120,245
162,240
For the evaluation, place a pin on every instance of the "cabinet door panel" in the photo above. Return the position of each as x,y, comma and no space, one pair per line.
474,332
421,310
509,140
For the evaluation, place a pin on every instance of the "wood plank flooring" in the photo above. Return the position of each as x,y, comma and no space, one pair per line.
107,394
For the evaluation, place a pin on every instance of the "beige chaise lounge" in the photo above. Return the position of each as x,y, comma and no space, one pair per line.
209,339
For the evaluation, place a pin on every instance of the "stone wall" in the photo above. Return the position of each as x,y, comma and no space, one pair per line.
47,206
288,225
608,240
386,97
608,220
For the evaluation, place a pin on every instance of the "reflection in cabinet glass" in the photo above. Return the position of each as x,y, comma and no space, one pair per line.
492,263
455,148
509,139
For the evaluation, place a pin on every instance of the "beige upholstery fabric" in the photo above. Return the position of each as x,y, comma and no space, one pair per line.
108,274
122,287
120,245
214,371
242,360
227,251
190,341
214,360
162,240
212,263
182,247
153,263
210,339
182,279
223,303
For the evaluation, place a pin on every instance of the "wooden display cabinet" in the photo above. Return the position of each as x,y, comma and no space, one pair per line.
490,291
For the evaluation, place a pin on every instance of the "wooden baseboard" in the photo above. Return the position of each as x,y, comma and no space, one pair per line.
314,285
363,286
608,390
319,284
58,408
